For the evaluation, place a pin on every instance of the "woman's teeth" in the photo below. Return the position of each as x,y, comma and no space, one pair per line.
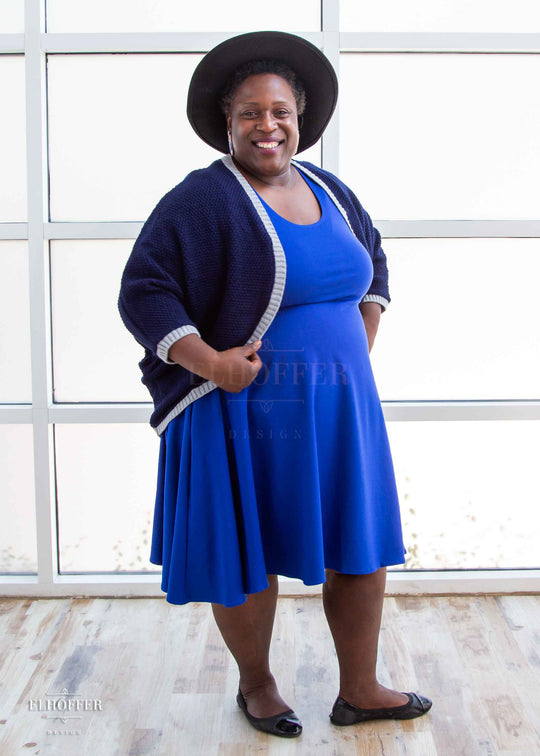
267,145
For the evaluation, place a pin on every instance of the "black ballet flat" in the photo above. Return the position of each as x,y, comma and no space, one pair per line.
285,724
344,713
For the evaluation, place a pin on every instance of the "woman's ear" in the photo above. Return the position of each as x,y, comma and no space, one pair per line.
228,117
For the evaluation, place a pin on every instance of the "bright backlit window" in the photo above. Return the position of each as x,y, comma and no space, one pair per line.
463,320
12,140
441,135
15,376
439,15
173,16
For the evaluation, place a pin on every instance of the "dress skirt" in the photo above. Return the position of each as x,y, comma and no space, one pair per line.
294,473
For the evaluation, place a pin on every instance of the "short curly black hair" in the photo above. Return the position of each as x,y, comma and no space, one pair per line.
254,67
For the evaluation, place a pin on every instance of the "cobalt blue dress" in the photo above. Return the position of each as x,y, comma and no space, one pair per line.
294,473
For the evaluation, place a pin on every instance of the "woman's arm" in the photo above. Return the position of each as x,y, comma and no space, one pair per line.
193,353
371,313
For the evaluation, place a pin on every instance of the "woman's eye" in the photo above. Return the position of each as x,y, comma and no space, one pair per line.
249,114
282,113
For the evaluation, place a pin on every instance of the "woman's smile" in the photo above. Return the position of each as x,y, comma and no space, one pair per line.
270,147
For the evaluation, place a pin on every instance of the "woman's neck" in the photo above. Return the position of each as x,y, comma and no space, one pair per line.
288,179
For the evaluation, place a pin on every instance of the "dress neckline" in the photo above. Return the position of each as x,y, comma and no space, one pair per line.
275,214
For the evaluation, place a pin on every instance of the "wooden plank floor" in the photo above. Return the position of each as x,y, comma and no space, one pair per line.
154,679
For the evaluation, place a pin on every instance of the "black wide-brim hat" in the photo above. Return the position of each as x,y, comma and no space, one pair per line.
211,75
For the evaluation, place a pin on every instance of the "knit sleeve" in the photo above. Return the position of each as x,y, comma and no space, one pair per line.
151,300
378,290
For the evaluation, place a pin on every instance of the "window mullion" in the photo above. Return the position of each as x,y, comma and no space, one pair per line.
39,293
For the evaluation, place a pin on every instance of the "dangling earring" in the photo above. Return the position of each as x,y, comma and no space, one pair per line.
231,150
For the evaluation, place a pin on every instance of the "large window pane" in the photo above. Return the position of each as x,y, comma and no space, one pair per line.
171,15
440,15
119,134
12,140
441,135
463,321
94,356
469,493
11,16
15,375
106,482
17,501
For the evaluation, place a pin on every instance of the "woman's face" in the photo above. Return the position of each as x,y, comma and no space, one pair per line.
263,122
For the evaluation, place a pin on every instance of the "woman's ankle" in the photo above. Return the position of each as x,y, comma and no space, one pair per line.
250,683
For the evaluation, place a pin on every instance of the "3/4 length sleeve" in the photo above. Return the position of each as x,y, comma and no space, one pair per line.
378,291
151,300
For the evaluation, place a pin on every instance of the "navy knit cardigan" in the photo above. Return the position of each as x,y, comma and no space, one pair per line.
208,261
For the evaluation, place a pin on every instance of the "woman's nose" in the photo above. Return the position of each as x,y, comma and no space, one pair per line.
267,122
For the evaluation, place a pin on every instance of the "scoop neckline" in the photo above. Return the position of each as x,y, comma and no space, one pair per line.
286,220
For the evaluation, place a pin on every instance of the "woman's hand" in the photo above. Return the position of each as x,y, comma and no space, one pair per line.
234,369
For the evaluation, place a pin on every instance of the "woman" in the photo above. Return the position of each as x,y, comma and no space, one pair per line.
274,457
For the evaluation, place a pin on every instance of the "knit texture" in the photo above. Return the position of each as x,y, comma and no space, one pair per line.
204,263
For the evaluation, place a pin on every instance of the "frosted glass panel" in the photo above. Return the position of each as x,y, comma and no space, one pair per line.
119,139
440,15
171,15
441,136
106,478
12,140
94,356
469,493
17,502
463,321
119,136
11,16
15,374
311,155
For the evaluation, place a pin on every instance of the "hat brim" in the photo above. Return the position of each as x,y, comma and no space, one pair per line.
307,61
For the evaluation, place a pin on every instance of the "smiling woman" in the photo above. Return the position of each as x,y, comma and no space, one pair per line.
254,477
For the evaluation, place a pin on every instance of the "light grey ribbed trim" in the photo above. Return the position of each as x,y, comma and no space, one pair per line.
326,188
162,349
376,298
279,254
197,392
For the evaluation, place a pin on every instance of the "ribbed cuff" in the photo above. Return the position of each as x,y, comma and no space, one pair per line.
376,298
162,349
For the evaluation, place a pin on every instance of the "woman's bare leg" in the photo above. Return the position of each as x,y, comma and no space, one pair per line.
353,607
247,632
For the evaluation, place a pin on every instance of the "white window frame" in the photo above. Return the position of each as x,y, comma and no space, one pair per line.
43,413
